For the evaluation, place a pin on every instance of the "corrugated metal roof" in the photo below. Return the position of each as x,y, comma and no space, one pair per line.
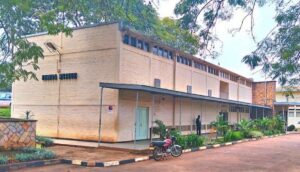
163,91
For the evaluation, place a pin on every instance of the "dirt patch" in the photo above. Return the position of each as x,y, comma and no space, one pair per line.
96,154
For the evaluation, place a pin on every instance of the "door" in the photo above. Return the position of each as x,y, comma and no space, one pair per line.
142,117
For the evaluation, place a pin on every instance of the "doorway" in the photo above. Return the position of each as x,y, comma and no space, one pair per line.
142,121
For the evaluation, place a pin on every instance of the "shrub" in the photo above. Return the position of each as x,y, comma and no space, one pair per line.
160,129
255,134
220,125
268,132
30,154
291,128
29,150
190,141
233,136
44,141
244,126
3,159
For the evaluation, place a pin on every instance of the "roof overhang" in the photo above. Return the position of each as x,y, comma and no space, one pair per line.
287,103
163,91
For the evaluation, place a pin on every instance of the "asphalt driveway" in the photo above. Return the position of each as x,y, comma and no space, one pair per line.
272,154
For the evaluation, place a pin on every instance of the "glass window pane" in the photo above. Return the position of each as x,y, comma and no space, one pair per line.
132,41
160,52
146,46
154,50
126,39
140,44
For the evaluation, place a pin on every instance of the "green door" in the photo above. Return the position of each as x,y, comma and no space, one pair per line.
142,123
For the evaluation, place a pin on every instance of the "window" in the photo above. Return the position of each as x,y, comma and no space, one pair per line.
133,41
233,109
298,113
200,66
160,52
247,110
154,50
225,115
224,75
146,46
189,89
165,53
213,71
291,113
248,83
157,82
209,93
242,81
178,59
189,62
126,39
140,44
233,78
170,55
183,60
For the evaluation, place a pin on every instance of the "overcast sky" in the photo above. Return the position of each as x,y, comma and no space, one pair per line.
235,47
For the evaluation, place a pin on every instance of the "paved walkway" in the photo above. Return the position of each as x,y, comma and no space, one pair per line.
281,154
138,145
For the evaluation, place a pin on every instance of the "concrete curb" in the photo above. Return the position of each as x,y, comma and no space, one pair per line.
15,166
145,158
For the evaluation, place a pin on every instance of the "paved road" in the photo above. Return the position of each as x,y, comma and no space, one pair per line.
280,154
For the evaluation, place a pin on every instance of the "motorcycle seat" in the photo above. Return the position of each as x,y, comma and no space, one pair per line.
158,143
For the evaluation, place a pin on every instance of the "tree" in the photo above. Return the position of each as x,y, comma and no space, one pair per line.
277,55
19,18
23,17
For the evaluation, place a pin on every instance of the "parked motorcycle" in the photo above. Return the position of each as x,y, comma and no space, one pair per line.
164,148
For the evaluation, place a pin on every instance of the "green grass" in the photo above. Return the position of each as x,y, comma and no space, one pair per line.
5,112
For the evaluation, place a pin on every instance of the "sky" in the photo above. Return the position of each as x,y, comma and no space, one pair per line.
236,46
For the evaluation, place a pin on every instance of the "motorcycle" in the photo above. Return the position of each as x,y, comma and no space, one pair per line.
164,148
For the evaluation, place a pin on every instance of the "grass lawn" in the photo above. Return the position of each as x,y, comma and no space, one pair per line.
5,112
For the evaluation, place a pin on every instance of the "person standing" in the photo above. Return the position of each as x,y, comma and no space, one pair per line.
198,125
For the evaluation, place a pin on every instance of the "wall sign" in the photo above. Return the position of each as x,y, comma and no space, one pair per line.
62,76
49,77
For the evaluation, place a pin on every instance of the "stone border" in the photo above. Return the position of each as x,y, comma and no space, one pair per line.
15,166
144,158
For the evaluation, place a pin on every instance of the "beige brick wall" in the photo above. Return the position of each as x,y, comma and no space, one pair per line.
70,108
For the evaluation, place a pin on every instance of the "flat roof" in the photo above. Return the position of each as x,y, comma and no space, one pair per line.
163,91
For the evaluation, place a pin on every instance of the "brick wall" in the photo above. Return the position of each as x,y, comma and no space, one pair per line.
17,133
262,91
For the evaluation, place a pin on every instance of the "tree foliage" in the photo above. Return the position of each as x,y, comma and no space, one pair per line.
23,17
277,55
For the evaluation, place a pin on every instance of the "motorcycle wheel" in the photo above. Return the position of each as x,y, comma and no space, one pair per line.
176,151
157,153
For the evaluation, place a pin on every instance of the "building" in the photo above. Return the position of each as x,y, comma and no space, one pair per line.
110,82
288,105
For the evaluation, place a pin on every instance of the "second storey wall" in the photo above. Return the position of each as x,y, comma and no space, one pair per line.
140,67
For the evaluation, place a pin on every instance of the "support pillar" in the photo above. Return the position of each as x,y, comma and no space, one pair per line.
136,114
100,116
180,99
152,114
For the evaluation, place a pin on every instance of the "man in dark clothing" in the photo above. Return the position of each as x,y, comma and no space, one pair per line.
198,125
